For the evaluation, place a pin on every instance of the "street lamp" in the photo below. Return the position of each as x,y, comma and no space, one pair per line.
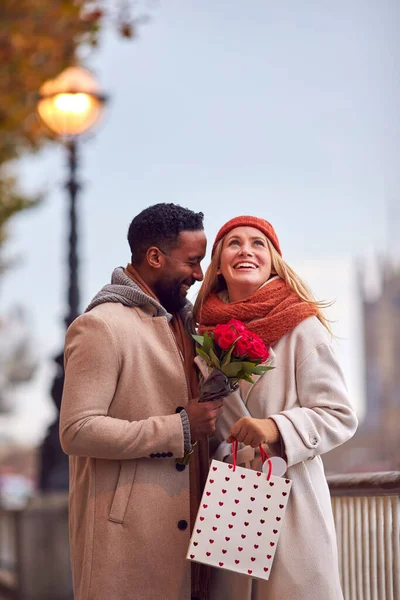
69,105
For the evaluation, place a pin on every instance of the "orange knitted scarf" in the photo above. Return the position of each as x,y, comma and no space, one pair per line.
271,312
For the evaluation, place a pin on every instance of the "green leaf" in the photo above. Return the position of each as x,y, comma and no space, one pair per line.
208,342
232,369
214,359
204,356
248,378
248,366
199,339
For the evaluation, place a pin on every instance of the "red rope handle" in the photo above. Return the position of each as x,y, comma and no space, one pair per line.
234,452
263,454
264,457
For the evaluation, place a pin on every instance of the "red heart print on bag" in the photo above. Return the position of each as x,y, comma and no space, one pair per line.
268,496
237,561
227,478
208,553
215,528
239,489
272,544
221,503
278,518
249,571
208,493
214,468
266,569
255,486
195,543
271,483
284,493
262,521
230,526
224,551
252,499
256,546
269,556
205,505
281,506
246,524
221,564
192,556
275,531
243,476
198,530
211,541
240,549
236,501
201,518
227,539
224,491
259,533
252,559
233,514
217,516
211,480
265,508
249,511
243,536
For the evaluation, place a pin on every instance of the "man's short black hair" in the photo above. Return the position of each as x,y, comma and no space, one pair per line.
160,225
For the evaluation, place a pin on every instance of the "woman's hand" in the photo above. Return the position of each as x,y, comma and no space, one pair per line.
253,432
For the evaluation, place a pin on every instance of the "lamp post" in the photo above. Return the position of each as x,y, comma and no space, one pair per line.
69,105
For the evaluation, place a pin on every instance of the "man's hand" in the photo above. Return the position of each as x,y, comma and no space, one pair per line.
254,432
202,417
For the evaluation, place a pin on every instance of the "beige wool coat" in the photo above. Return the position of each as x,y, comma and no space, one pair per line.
306,396
124,380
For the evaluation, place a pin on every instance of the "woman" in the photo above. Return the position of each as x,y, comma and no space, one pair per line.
300,409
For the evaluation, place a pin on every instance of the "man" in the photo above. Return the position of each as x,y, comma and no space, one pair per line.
129,414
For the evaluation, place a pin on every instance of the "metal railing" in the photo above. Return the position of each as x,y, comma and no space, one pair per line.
366,513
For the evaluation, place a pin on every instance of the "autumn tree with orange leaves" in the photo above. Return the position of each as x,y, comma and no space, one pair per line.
38,39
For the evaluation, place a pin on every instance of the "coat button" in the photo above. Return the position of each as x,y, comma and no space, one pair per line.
313,440
182,525
169,454
179,409
180,467
152,455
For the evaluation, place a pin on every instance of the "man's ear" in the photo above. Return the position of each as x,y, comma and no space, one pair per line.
155,257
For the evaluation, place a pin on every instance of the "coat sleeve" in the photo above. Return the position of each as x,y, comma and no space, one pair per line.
324,418
92,369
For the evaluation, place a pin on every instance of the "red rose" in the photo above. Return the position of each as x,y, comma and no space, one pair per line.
238,325
224,336
242,346
258,350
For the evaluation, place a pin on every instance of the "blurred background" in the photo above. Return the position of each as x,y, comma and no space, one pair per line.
288,111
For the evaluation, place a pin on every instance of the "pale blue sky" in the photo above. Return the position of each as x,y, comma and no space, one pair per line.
289,111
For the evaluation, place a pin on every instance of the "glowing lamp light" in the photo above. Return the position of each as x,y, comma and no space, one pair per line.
71,103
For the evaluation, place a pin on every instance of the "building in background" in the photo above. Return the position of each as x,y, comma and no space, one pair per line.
375,446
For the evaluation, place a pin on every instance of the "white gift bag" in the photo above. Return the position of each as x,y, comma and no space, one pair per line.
239,519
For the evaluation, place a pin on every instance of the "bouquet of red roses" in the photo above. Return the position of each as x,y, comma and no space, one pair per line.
231,352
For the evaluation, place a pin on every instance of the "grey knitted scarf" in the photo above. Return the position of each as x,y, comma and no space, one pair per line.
122,289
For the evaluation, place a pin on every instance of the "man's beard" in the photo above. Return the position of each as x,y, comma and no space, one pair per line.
169,295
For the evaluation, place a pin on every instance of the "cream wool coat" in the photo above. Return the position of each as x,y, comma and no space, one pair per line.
124,381
306,396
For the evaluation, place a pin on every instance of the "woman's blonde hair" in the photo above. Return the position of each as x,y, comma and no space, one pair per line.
214,283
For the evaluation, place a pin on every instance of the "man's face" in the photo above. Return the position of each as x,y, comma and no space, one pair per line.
181,269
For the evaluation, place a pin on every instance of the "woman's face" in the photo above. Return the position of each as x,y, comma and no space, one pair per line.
245,262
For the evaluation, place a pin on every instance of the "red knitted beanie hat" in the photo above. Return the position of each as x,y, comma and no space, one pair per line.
246,221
